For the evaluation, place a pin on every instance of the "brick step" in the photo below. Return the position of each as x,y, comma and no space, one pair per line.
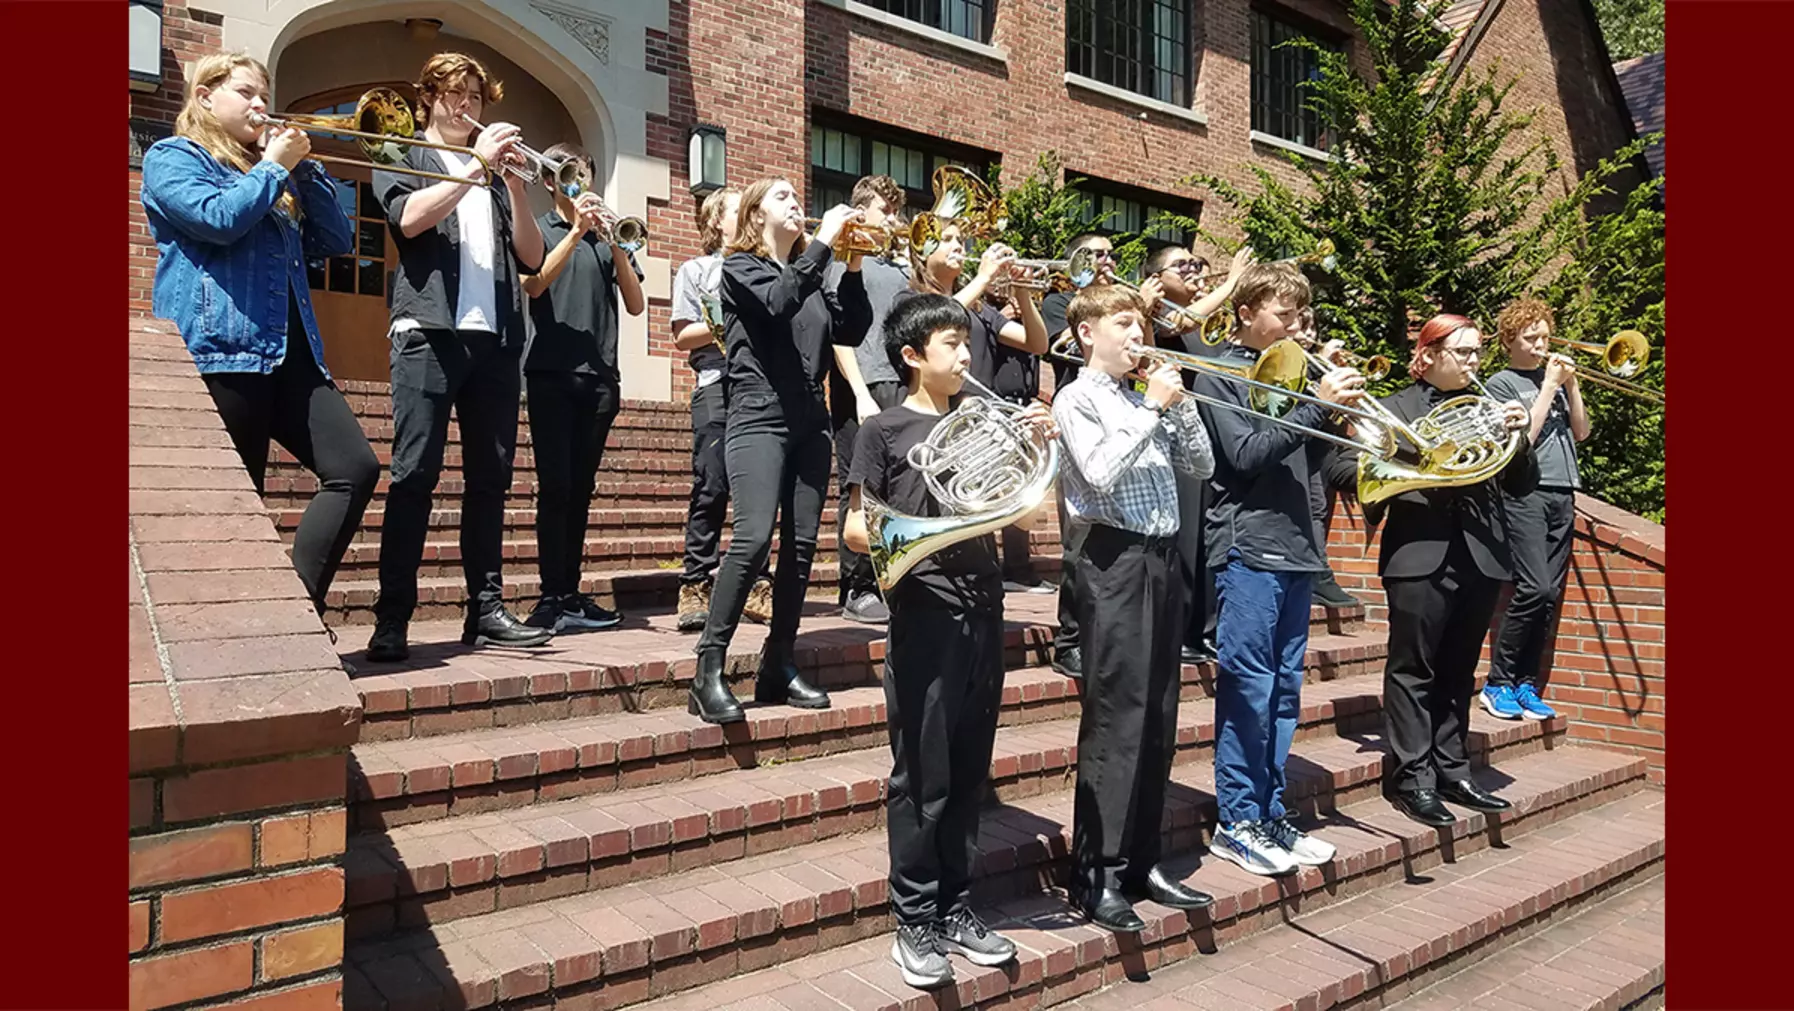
437,871
820,913
412,780
1608,957
647,663
1307,951
663,489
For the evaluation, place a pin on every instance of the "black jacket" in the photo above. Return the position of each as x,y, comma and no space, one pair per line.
780,322
1260,503
427,282
1423,525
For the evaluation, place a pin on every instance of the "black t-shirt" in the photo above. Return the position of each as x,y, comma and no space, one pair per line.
1016,373
1052,311
576,318
963,576
982,327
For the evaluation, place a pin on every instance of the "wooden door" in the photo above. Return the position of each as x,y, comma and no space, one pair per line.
348,293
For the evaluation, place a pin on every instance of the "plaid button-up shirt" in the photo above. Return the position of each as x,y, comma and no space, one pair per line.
1122,454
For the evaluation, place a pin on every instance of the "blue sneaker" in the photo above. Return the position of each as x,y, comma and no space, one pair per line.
1499,701
1534,707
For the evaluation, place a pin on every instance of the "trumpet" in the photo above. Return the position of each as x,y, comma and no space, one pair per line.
1071,274
630,233
383,128
999,474
563,176
865,239
1324,255
1375,368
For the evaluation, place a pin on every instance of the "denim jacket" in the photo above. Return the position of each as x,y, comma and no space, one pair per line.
229,257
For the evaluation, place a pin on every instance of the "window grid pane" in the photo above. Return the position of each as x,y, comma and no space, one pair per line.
832,176
1277,78
1142,46
968,19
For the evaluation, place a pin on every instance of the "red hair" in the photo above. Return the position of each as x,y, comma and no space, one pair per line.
1434,331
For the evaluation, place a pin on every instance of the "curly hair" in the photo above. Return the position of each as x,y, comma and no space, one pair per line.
443,70
1520,316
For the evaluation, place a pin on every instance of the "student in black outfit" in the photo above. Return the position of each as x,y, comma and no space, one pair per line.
1541,525
570,370
944,665
780,326
1444,557
861,384
1327,591
1176,269
232,204
457,337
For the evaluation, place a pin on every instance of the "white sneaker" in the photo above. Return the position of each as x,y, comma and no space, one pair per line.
1304,849
1245,843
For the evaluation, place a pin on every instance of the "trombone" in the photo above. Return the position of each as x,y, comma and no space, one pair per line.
1275,382
383,128
564,176
1623,355
1375,368
860,237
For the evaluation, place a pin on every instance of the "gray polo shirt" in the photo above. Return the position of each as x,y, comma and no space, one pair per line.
883,280
1556,446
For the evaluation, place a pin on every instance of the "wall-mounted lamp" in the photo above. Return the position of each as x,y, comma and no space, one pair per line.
709,159
146,45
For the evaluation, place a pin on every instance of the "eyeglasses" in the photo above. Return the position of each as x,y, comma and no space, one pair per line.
1103,254
1470,354
1183,266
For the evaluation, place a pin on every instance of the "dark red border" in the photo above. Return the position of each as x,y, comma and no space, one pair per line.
64,414
1729,893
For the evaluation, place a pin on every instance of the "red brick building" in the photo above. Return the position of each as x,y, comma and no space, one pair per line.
1134,96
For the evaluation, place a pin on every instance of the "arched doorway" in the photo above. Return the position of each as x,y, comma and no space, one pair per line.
327,72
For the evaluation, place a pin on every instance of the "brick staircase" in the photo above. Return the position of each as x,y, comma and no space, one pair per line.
549,828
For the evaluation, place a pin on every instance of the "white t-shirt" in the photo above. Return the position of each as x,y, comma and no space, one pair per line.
478,298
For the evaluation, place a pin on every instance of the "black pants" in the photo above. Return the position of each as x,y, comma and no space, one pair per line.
1071,538
778,458
1018,561
297,407
570,414
857,576
1540,534
1192,556
1132,621
943,688
1320,508
1436,630
434,372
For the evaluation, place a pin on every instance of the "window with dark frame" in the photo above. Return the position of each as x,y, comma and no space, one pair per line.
364,272
1278,75
968,19
1142,46
841,152
1126,210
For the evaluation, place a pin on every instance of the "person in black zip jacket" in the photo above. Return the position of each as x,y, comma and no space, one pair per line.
780,326
1443,559
457,340
1262,547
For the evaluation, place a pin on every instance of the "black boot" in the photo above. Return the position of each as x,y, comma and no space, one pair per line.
711,700
1328,593
498,628
780,683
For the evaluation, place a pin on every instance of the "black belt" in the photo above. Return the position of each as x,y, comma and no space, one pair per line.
1157,543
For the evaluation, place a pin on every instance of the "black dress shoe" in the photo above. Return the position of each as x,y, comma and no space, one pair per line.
1328,593
780,683
1465,793
387,645
1423,806
1167,891
1069,662
498,628
1111,909
710,699
1197,654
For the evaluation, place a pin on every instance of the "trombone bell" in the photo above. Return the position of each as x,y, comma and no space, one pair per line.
383,127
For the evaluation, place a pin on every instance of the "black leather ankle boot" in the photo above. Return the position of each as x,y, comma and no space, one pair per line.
711,699
780,683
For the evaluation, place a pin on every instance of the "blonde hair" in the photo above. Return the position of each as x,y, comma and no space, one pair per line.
1100,301
196,122
750,221
444,69
710,218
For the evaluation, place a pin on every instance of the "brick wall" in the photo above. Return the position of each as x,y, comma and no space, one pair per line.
1607,662
187,35
241,718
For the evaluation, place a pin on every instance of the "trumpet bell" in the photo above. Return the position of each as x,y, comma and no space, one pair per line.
631,233
379,111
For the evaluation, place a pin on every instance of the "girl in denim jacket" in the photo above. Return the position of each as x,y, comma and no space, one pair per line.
236,211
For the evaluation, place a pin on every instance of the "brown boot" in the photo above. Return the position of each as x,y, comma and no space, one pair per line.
694,606
759,602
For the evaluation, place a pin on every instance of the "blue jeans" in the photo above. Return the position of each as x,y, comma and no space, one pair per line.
1263,635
